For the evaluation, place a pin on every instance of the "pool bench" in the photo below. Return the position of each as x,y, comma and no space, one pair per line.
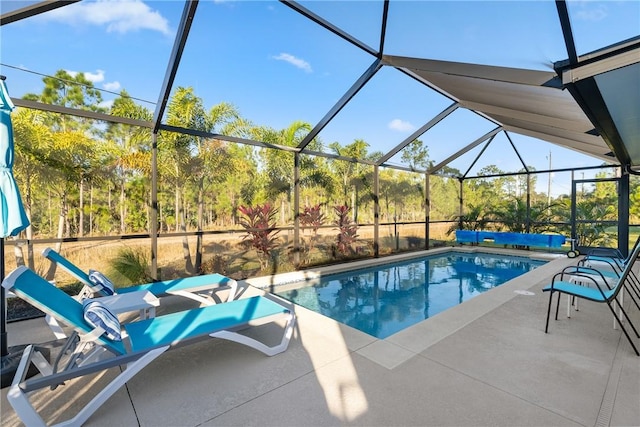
508,238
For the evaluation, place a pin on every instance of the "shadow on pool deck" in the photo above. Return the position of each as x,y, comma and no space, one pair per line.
485,362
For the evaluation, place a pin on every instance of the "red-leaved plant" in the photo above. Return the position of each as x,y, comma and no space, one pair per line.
260,223
347,234
313,218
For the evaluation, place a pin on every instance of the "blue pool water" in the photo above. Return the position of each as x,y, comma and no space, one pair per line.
391,297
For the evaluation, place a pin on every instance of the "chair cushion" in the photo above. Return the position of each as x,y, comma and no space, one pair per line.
98,315
101,284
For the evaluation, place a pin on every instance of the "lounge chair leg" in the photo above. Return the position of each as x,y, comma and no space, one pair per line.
620,304
546,327
558,304
253,343
624,330
632,290
19,399
622,310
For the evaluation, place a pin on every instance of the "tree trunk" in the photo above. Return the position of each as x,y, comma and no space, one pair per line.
177,211
200,219
148,213
188,264
91,211
61,222
354,208
122,210
81,201
50,210
67,221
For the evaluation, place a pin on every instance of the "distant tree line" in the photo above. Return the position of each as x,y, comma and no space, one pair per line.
80,177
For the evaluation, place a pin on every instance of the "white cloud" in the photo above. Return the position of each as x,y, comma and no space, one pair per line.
118,16
112,86
96,77
106,104
401,125
296,62
592,14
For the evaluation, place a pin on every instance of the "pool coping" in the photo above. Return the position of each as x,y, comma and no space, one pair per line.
280,279
400,347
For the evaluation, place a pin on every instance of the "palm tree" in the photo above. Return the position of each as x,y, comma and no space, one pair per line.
514,216
473,219
279,163
185,110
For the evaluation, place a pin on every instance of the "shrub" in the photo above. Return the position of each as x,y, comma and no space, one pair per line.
261,229
347,234
313,218
474,219
130,266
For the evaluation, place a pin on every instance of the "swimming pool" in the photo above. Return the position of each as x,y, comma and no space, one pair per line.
386,299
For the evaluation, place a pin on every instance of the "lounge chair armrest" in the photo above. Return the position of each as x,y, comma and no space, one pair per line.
575,269
607,253
587,273
556,277
612,262
587,276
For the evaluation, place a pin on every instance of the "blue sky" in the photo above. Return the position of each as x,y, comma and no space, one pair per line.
276,66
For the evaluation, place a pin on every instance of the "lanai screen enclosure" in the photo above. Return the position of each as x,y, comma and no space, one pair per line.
372,118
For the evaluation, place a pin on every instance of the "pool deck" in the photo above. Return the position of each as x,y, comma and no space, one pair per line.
486,362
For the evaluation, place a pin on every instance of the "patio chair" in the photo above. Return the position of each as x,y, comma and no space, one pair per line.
605,291
89,350
197,288
610,257
611,261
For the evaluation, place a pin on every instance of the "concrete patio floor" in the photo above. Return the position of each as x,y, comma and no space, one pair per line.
486,362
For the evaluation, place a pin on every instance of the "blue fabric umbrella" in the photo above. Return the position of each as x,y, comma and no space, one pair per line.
13,218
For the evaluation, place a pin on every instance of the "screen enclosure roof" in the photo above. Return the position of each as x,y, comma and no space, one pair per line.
588,103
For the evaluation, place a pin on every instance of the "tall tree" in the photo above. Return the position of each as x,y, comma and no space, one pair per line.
32,137
185,110
73,91
68,158
237,188
279,163
67,154
212,161
351,174
131,155
416,155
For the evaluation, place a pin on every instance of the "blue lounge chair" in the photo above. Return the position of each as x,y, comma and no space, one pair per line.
610,263
604,291
610,256
89,350
613,261
198,288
